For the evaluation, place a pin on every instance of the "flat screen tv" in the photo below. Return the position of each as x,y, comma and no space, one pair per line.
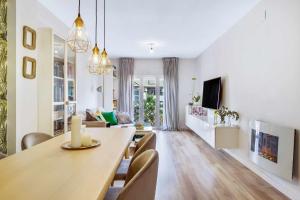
211,93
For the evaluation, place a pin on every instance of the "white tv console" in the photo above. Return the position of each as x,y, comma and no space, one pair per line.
217,136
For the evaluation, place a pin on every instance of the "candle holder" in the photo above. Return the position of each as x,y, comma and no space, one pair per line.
68,146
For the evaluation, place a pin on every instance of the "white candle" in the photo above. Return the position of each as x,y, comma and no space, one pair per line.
86,140
75,131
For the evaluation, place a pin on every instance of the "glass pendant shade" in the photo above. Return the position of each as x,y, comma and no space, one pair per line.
94,61
105,62
78,39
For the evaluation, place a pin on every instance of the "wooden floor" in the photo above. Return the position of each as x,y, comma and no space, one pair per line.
190,169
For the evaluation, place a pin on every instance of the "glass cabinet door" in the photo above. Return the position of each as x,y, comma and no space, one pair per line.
59,85
71,87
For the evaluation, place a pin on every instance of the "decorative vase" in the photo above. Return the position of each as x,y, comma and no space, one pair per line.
222,120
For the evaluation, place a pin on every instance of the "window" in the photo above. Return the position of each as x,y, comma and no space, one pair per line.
148,100
136,99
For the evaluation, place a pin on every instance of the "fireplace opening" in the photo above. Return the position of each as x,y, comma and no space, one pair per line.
268,146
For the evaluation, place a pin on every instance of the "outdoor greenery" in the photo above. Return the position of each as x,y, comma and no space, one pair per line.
149,108
3,74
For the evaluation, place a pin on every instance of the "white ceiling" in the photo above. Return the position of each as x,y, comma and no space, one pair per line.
182,28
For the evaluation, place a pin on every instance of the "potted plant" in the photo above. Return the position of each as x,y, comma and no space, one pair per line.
233,115
222,113
196,100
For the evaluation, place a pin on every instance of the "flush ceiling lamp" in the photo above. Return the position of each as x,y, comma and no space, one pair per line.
151,47
94,60
105,62
78,39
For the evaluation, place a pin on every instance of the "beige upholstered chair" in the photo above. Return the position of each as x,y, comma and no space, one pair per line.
32,139
140,184
2,156
146,143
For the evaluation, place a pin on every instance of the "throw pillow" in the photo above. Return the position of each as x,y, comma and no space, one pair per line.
110,117
124,118
100,117
90,116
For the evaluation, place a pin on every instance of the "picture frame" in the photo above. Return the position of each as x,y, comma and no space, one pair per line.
29,73
29,38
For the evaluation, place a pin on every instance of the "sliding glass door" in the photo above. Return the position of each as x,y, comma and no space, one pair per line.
148,100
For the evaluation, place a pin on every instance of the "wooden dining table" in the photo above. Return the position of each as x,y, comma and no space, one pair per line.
46,171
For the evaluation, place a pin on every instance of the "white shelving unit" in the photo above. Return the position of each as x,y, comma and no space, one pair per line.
56,83
115,89
217,136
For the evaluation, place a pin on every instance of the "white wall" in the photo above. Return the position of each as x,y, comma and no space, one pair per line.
185,74
260,64
152,67
87,95
22,102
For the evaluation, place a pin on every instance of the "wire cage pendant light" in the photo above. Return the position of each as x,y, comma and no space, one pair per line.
78,39
105,63
94,59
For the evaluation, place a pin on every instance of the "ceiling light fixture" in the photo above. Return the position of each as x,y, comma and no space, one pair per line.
94,60
78,40
151,47
105,62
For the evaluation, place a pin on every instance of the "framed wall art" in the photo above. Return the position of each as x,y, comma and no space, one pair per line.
29,67
29,38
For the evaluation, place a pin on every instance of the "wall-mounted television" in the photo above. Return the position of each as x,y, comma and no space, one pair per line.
211,96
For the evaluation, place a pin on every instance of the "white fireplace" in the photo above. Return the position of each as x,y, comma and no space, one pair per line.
272,148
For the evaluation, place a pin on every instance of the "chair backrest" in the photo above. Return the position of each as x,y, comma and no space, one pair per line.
142,141
2,156
32,139
148,143
142,177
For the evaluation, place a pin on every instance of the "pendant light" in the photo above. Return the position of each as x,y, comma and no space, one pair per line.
94,60
78,40
105,62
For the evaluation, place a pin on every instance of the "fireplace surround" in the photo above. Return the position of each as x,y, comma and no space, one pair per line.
272,148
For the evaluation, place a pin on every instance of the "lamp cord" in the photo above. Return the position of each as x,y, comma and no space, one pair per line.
104,24
96,25
78,7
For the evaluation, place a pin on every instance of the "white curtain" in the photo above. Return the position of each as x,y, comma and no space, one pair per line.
126,70
171,117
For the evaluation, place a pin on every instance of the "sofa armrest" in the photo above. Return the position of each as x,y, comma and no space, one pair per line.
95,124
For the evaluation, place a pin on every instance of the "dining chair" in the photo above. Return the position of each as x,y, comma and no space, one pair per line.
2,156
141,180
146,143
32,139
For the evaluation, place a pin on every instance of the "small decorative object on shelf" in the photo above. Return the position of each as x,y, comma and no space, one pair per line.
224,113
115,75
199,111
233,115
196,100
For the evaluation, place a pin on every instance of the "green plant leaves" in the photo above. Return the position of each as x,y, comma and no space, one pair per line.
3,75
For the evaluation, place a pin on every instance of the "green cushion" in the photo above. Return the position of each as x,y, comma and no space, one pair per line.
110,117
